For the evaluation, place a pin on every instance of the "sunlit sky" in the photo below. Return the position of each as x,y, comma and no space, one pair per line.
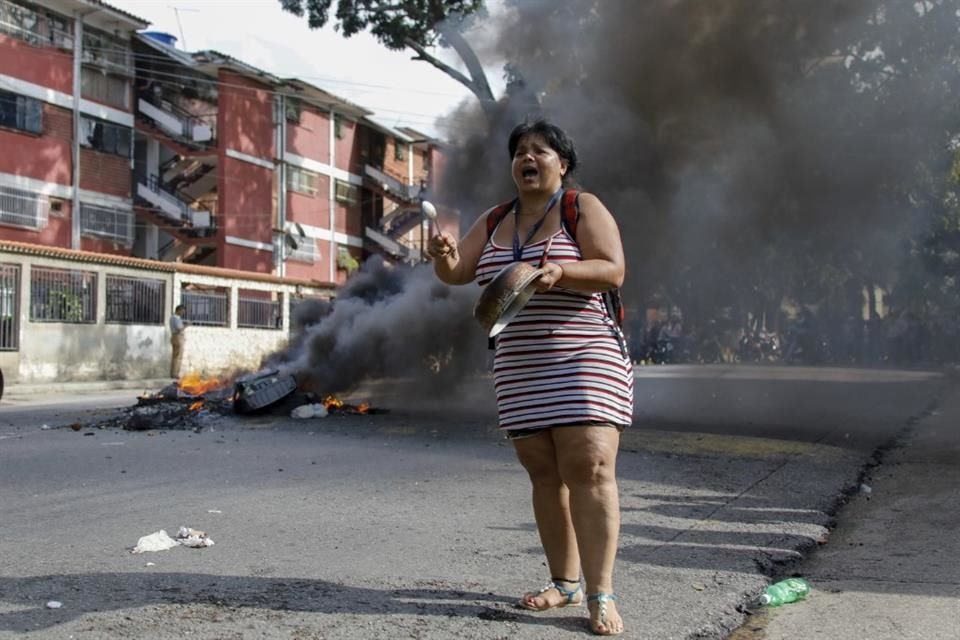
401,91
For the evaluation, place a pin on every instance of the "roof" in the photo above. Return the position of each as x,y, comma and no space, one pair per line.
178,55
215,58
387,129
314,94
139,23
26,248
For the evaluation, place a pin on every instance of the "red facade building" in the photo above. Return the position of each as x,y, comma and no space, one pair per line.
154,152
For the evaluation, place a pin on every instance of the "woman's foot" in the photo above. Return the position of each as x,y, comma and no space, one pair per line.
559,593
604,619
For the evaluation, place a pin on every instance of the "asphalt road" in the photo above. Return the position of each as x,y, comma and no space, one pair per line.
416,523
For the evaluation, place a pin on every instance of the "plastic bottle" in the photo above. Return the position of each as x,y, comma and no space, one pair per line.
785,592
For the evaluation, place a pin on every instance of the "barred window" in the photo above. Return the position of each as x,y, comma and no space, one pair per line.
106,137
9,307
135,300
20,208
206,308
20,112
347,193
258,310
105,88
104,51
61,295
304,251
399,151
302,181
106,222
19,21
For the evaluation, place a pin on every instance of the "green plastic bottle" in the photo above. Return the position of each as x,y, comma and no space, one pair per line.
785,592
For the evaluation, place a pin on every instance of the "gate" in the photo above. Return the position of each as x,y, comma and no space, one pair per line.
9,307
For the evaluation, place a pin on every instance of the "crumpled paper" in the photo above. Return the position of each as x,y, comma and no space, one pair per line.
161,540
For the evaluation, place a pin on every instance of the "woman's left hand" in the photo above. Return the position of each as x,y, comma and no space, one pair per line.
552,272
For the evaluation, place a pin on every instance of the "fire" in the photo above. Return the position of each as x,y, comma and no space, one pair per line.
197,385
333,403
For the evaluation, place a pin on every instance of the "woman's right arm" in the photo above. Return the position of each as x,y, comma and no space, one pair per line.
456,262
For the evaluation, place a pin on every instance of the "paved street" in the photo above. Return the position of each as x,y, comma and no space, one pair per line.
416,523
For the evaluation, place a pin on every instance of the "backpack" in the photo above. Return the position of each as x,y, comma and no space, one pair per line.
569,216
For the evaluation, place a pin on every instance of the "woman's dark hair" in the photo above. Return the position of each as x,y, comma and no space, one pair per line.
554,136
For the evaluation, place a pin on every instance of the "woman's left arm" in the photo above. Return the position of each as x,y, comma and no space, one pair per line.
602,266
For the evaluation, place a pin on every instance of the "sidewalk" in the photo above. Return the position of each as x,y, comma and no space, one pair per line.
891,568
17,391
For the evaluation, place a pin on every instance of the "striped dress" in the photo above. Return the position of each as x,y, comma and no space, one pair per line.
559,362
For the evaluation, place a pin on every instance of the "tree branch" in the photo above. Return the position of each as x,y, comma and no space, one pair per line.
479,88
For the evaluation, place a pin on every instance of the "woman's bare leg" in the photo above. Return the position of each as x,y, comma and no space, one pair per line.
551,510
587,459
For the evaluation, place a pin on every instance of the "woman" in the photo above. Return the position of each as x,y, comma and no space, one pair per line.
563,379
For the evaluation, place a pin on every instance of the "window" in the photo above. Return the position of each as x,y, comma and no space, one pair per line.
105,88
18,21
135,300
106,222
338,126
346,192
398,149
305,250
106,137
291,108
59,31
21,112
106,52
9,307
302,181
61,295
19,208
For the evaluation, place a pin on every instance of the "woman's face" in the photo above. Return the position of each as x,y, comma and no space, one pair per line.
536,166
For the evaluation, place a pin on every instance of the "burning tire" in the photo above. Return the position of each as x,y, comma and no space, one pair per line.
260,390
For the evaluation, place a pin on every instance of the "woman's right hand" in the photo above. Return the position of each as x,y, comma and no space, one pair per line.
442,245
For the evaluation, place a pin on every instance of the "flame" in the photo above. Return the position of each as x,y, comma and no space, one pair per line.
196,405
363,407
197,385
332,402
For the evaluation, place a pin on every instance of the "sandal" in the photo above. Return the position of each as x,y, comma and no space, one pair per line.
572,597
602,599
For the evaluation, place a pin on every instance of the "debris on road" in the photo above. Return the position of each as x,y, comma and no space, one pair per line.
192,538
304,411
54,604
157,541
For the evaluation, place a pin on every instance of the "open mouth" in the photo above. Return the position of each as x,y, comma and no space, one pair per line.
529,173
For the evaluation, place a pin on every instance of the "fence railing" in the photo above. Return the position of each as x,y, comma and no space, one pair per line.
9,307
210,309
258,313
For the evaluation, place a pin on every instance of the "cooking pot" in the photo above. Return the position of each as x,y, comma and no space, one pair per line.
505,296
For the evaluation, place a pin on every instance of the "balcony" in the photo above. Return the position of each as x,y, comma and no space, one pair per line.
172,206
389,247
176,122
39,30
388,185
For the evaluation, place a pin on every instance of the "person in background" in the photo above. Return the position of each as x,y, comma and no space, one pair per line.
177,326
562,375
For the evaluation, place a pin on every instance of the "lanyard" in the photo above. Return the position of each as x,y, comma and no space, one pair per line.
517,246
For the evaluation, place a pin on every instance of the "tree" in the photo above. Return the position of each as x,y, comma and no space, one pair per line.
409,24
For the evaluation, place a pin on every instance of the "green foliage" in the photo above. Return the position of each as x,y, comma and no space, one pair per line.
392,23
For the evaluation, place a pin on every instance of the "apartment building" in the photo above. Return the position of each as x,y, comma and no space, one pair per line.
114,140
66,124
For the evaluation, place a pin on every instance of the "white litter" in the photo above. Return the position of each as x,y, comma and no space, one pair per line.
157,541
53,604
304,411
865,488
192,538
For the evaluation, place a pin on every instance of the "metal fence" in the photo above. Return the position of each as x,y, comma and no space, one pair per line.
135,300
258,312
206,308
63,295
9,307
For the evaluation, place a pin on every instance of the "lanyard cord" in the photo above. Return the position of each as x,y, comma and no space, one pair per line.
517,246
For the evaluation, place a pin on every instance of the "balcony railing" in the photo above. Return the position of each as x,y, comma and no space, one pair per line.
171,205
34,27
391,185
175,121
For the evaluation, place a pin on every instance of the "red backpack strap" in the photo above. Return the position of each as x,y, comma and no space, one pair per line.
496,215
570,211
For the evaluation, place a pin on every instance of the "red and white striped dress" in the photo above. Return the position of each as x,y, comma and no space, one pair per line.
559,362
